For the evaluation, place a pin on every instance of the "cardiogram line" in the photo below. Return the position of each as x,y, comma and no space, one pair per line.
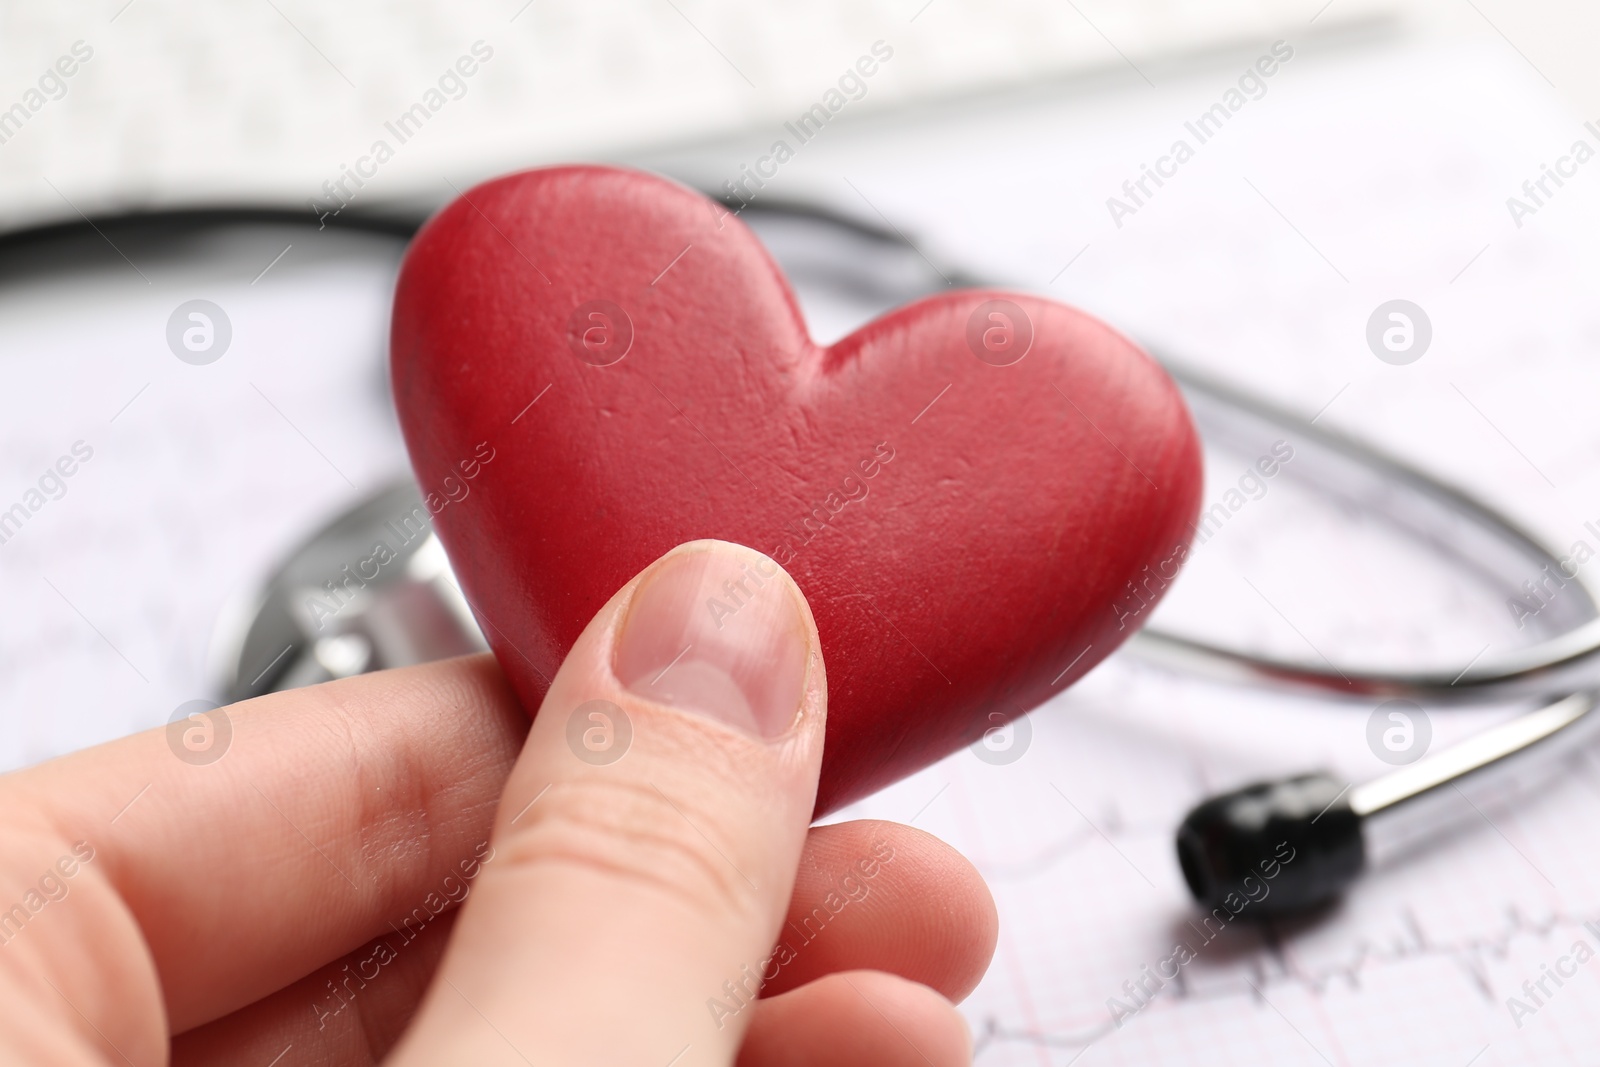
1269,966
1472,954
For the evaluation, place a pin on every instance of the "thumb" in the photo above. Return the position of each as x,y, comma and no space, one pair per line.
647,843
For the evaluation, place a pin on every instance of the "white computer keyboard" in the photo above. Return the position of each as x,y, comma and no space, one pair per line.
119,104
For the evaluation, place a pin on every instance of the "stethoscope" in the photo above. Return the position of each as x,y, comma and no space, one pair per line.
1311,835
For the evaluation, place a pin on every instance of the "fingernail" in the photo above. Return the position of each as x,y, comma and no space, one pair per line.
718,630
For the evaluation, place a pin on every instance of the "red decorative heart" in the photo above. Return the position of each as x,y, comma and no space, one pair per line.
981,494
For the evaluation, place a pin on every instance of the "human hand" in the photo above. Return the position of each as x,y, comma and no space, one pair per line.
293,902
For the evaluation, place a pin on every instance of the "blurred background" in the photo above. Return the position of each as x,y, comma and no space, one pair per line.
1384,159
266,101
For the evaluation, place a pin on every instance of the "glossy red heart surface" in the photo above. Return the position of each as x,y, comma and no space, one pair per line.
981,494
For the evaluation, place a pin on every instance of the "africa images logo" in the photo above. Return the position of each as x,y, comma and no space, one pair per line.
1251,85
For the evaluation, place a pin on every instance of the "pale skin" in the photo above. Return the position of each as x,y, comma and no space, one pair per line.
233,912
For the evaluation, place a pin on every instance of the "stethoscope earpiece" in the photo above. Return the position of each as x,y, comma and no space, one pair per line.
1272,848
1294,844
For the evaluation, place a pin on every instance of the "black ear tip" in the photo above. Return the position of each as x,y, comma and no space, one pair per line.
1272,848
1195,864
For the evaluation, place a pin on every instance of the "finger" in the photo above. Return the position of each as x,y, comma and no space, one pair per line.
350,1012
924,915
336,813
623,896
884,897
857,1019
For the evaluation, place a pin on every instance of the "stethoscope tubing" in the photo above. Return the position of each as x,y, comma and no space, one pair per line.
1565,662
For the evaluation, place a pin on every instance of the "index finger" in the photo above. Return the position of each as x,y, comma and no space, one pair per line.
336,813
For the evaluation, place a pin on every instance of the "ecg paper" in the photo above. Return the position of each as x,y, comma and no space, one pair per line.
1365,173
